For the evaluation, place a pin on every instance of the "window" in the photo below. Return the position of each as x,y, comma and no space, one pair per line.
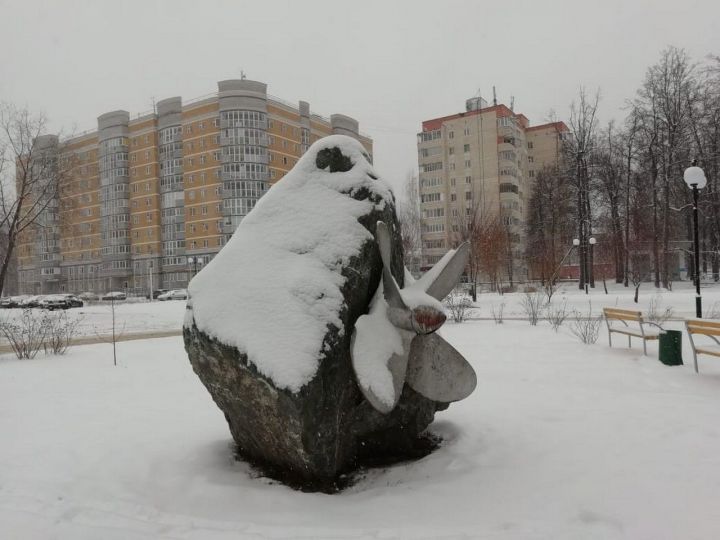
531,174
468,163
466,131
468,195
147,169
468,179
466,148
453,197
451,150
201,125
530,145
531,159
147,186
452,181
451,135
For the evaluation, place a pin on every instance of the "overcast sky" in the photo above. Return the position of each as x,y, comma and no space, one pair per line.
389,64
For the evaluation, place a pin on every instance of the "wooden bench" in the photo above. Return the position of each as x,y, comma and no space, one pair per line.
625,315
705,328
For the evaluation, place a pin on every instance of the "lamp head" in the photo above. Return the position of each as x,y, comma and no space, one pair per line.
576,241
695,176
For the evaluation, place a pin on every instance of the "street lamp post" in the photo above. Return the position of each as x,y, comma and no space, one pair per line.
585,261
694,177
195,261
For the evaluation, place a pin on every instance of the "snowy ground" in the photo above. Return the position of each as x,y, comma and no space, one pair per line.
559,441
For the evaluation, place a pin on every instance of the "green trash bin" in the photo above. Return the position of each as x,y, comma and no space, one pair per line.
671,348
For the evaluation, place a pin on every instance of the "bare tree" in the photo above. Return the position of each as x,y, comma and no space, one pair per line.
409,216
549,226
579,151
30,172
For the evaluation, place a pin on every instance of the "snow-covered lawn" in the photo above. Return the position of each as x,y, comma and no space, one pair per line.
559,441
130,317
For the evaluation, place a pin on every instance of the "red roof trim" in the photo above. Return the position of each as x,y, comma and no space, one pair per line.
558,126
436,123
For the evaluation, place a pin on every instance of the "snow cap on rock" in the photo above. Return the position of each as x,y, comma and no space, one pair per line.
274,289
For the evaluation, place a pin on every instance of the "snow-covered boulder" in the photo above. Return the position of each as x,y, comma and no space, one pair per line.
270,320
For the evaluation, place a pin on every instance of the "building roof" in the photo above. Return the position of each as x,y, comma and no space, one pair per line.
501,111
558,126
435,123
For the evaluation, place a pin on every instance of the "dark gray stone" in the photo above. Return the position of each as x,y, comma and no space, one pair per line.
311,438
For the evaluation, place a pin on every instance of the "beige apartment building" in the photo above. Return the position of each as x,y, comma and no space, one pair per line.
476,163
152,198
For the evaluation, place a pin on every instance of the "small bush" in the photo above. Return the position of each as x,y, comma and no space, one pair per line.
26,334
713,312
586,327
656,314
60,331
498,314
557,314
533,303
459,306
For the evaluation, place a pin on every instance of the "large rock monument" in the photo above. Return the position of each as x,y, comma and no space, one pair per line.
309,334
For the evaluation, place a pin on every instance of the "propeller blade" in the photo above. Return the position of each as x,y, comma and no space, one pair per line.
438,371
391,291
441,279
397,366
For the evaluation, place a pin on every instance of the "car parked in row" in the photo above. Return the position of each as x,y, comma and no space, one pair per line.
114,295
175,294
156,293
9,302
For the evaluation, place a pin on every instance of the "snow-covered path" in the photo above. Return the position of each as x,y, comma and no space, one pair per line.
559,441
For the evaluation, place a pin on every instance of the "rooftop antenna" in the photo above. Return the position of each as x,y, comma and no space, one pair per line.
512,103
494,97
242,75
152,99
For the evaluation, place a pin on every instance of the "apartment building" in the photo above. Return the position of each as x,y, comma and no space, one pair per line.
476,164
150,199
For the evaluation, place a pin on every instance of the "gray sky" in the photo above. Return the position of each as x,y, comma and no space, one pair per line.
390,64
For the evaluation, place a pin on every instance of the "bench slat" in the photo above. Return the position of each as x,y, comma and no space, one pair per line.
623,315
707,328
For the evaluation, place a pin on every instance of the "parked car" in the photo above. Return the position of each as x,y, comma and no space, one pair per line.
12,301
175,294
156,293
52,302
115,295
31,301
88,296
73,300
